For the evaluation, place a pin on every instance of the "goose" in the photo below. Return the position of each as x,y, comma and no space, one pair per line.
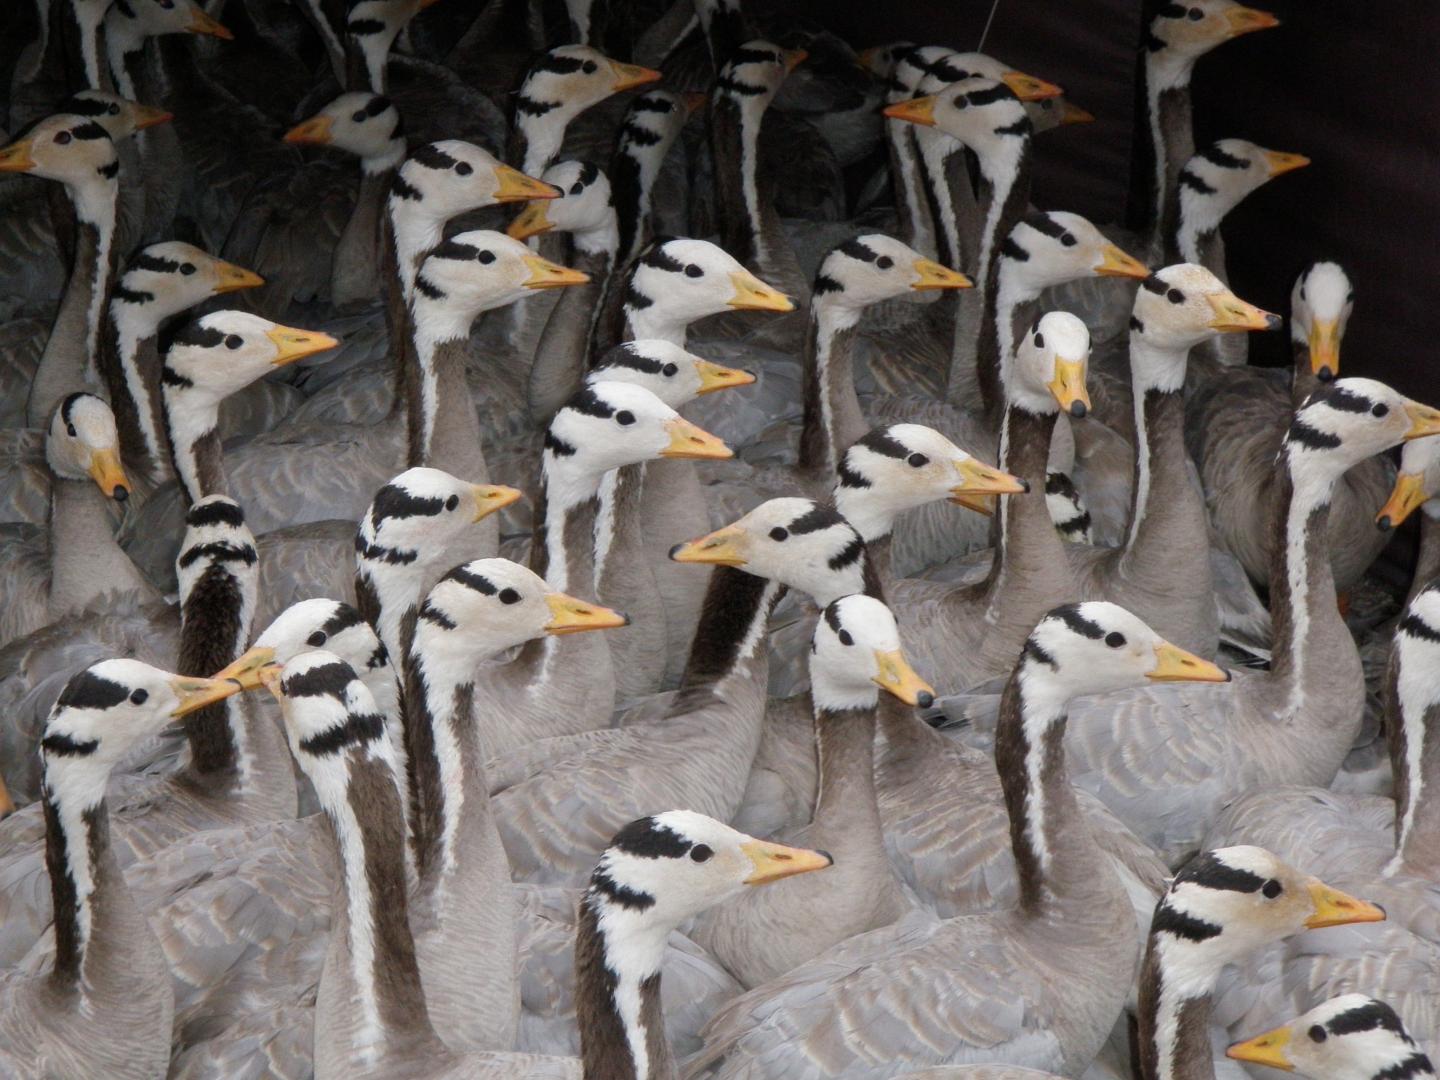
103,1007
1223,905
1191,750
1416,485
371,27
921,992
335,737
652,124
1235,423
1350,1037
856,655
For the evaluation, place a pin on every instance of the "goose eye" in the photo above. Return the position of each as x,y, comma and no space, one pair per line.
1115,639
463,168
1068,241
624,417
884,262
1272,889
139,697
576,188
669,371
70,430
485,258
1039,340
779,533
62,138
701,852
234,341
316,640
1318,1033
113,110
845,638
694,271
918,461
452,502
1195,14
1380,410
359,117
168,5
509,596
1175,296
589,67
187,269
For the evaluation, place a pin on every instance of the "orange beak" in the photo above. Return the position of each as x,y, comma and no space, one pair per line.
147,116
200,23
312,132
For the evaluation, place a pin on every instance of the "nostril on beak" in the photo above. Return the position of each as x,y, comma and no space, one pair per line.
1077,410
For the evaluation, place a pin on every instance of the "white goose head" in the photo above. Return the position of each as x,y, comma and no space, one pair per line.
667,370
448,177
119,116
797,542
1349,420
83,445
224,351
584,208
1180,306
902,466
855,653
320,623
360,123
984,114
654,120
129,24
1182,31
167,278
1052,247
75,151
1320,306
1219,177
1417,484
940,72
868,269
420,513
1351,1037
609,425
1049,367
567,80
682,280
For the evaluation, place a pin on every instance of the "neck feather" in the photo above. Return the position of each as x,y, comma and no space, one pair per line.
833,419
617,992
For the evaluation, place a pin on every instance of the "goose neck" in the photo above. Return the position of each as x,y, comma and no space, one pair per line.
1028,543
1161,477
124,51
1003,196
617,974
1172,136
565,530
1011,306
845,739
1303,380
388,584
1412,730
193,417
539,135
130,341
77,845
416,226
733,619
832,416
652,321
735,131
86,562
1176,983
215,616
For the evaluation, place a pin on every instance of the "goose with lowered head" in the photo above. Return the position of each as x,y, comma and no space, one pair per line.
1415,488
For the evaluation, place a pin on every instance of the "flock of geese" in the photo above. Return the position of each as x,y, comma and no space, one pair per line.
1011,607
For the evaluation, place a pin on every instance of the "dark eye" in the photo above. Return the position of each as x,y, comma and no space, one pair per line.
234,341
509,596
463,168
669,371
589,67
779,533
1272,889
884,262
1039,340
1175,296
358,116
113,110
918,461
1380,410
70,430
139,697
485,258
576,188
845,638
1195,14
316,639
452,502
187,269
1318,1033
701,852
961,102
1115,639
62,138
1067,240
694,271
624,417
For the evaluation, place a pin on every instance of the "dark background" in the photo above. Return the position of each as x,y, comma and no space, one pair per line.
1354,87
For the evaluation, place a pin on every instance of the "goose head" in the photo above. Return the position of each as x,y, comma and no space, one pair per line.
1351,1037
1052,247
1180,306
82,444
1225,904
567,80
667,370
1417,484
958,66
981,113
450,176
681,280
583,209
224,351
1219,177
882,60
608,425
360,123
216,536
422,512
868,269
128,25
797,542
1320,306
1349,420
752,75
902,466
373,25
167,278
119,116
1183,31
855,653
75,151
1048,370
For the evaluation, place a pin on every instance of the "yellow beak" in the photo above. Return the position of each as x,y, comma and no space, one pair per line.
1267,1049
793,58
1232,314
200,23
897,677
1028,87
752,294
17,157
312,132
232,278
248,667
514,186
1174,664
1407,496
981,504
689,441
571,616
107,472
1423,420
1280,163
977,478
545,274
296,344
714,377
915,111
198,693
492,497
629,76
931,275
1068,386
531,221
1117,263
1071,113
147,116
1243,20
723,547
1335,908
771,862
1325,348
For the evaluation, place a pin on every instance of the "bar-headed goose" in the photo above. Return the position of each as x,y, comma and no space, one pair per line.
1416,487
1351,1037
929,992
104,1007
651,127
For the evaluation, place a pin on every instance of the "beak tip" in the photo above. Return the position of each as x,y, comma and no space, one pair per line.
1273,322
121,493
674,553
924,699
1024,487
1078,409
1383,523
1325,375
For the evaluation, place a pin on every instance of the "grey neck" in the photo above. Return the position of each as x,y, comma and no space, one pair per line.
846,802
1411,726
559,366
86,562
833,419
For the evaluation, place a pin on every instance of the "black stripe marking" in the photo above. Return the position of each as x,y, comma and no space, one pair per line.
815,519
589,173
130,296
58,745
1373,1014
170,377
1312,438
1194,183
849,555
634,900
67,406
376,105
1076,525
646,838
401,189
856,249
322,680
1154,284
86,690
89,130
558,446
427,289
1033,650
215,513
990,94
1338,397
156,264
1216,156
1177,923
651,103
218,551
1019,127
849,477
109,171
824,283
431,156
471,580
431,614
357,730
881,442
378,553
1207,870
589,403
344,617
1136,325
364,27
199,335
661,259
393,501
1009,249
1417,1064
1070,615
626,356
1416,627
556,62
530,107
635,135
634,298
